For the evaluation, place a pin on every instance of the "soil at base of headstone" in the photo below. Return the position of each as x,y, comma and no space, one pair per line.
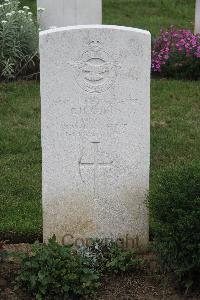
145,284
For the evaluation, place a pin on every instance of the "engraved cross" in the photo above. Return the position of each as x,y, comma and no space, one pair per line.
95,164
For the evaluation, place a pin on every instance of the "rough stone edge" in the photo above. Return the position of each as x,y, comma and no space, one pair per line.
78,27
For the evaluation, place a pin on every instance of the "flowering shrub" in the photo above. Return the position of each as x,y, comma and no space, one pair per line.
176,53
18,41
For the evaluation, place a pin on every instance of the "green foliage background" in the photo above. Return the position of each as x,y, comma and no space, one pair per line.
175,211
19,55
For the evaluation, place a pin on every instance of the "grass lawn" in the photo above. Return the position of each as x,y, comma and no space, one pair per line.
174,119
174,139
147,14
20,158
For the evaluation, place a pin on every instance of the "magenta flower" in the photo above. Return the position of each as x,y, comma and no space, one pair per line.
175,46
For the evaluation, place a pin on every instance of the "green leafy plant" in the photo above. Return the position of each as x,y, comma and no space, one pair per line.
107,256
175,208
19,55
53,270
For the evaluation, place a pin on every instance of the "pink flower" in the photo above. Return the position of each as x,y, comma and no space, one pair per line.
177,44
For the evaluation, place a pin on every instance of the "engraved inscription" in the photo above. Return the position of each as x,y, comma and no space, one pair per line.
82,129
95,72
117,128
94,164
97,108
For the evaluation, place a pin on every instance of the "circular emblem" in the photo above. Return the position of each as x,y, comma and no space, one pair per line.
95,72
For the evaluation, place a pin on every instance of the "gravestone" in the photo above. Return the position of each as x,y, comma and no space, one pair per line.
197,17
61,13
95,93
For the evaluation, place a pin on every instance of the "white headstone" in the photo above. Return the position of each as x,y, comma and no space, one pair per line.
197,17
61,13
95,92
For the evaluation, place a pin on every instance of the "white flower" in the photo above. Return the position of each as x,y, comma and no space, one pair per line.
41,9
8,14
26,7
1,6
4,22
30,13
20,11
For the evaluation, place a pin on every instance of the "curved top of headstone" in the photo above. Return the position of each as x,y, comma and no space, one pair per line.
78,27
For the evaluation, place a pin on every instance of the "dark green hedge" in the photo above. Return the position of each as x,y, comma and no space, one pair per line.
175,211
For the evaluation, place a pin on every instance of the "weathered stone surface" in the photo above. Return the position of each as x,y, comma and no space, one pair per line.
95,90
197,17
61,13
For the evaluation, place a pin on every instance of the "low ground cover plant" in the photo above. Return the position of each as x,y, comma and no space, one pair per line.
176,53
175,210
19,57
54,270
108,257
